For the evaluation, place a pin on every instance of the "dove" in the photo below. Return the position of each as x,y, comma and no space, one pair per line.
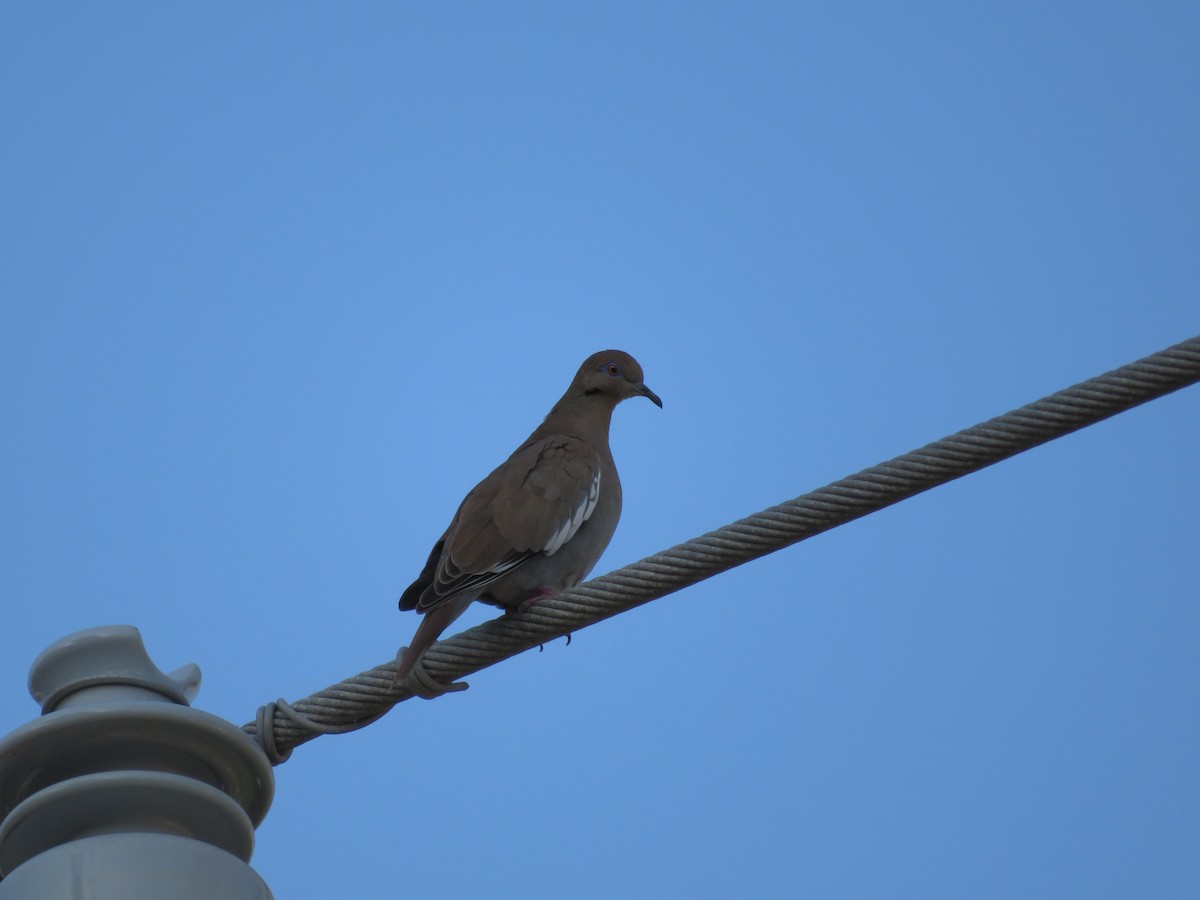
537,524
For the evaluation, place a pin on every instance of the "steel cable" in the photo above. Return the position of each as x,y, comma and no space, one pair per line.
362,699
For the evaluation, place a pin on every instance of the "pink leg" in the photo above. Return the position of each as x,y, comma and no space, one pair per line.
539,594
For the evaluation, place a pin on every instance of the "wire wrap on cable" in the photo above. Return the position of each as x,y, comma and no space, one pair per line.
362,699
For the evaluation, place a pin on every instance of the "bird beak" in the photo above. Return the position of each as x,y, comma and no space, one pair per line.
653,397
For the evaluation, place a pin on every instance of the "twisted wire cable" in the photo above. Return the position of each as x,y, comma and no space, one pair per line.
362,699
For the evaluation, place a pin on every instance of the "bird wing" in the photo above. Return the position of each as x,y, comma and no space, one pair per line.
534,503
547,494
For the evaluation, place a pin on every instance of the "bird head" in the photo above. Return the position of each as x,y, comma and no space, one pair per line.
615,375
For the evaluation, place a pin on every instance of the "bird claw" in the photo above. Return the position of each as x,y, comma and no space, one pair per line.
420,683
542,647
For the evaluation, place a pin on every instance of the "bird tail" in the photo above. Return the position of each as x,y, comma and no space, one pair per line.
412,594
432,625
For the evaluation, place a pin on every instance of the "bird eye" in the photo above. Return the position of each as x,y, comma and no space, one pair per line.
613,369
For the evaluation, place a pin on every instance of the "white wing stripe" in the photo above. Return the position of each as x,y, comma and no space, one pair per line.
582,513
559,538
593,496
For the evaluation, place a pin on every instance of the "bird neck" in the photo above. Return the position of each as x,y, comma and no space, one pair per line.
585,416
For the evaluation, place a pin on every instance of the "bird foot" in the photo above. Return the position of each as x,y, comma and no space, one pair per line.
420,683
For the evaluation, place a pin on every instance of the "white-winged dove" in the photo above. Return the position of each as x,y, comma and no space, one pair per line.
538,523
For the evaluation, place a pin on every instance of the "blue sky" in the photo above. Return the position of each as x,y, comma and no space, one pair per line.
282,282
